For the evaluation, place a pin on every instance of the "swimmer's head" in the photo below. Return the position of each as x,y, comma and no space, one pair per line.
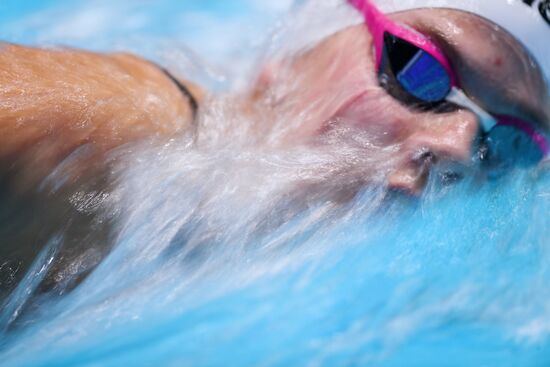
413,69
336,83
528,21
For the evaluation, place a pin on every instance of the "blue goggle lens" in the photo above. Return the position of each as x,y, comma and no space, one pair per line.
509,146
425,78
416,71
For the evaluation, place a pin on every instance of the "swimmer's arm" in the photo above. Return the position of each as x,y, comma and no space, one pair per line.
54,101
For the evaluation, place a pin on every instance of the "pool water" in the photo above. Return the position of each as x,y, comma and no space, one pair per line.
456,278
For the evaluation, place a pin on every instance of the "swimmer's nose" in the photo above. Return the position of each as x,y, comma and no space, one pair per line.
444,138
447,137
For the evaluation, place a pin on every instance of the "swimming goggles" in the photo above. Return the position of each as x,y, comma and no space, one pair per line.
412,69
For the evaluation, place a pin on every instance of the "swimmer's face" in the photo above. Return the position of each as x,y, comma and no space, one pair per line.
336,83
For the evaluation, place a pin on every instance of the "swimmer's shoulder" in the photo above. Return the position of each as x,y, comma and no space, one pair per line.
56,101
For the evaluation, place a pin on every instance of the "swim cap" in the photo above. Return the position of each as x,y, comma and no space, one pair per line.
527,20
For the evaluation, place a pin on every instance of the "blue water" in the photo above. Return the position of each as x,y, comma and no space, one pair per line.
456,278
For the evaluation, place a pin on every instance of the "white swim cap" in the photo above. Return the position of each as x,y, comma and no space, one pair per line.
527,20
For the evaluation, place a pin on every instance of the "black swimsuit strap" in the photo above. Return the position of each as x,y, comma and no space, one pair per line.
185,91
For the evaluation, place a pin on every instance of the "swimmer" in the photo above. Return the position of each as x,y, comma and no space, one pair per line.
436,85
437,82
